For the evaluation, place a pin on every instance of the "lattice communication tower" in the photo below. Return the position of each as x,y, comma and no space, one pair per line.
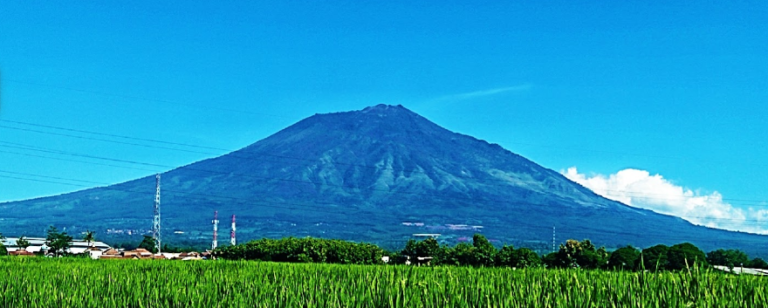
156,220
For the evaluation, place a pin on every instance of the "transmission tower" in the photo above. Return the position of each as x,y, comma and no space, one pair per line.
156,220
553,238
215,229
232,235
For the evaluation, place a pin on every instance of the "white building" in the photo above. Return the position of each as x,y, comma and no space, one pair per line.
37,244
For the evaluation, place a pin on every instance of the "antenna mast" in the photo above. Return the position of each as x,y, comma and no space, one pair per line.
232,235
156,219
215,229
553,238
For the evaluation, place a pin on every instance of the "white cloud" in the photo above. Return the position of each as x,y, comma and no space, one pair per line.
638,188
482,93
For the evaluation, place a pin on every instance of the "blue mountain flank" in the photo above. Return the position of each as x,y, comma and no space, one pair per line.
383,174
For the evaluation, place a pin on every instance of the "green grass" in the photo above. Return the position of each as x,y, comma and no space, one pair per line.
37,282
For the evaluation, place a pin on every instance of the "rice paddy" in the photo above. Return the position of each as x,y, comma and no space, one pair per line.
38,282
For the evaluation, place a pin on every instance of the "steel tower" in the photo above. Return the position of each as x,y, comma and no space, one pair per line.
156,220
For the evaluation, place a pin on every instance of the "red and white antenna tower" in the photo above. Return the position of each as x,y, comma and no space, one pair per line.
215,229
232,240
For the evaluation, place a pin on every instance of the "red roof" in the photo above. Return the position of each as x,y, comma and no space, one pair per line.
21,253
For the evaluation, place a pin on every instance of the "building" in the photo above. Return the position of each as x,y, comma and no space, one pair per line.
37,245
137,254
21,253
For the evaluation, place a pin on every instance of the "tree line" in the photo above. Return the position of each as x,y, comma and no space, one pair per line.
479,253
482,253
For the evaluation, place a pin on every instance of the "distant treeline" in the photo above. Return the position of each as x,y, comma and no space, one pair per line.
481,253
306,250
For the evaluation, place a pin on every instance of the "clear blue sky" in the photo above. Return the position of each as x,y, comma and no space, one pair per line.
675,88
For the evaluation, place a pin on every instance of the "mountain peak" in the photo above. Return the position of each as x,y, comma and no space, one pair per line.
384,108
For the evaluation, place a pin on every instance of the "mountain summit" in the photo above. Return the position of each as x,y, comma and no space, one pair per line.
381,174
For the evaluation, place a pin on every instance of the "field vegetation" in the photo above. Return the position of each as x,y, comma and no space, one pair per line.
65,282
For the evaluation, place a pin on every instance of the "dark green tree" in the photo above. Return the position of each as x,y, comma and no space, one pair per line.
624,258
22,242
484,251
3,250
685,255
148,243
727,257
551,260
758,263
506,256
653,258
463,254
525,257
57,242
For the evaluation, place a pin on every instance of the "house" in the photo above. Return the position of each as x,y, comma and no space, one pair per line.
21,253
111,252
192,255
94,252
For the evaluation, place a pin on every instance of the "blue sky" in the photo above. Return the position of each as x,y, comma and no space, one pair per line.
673,89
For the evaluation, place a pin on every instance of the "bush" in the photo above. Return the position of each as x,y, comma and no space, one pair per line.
653,258
685,255
624,258
305,250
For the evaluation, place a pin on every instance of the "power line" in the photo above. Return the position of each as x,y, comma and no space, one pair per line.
238,155
582,230
32,148
130,97
250,201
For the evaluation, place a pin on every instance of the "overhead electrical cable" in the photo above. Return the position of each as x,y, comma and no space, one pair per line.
239,155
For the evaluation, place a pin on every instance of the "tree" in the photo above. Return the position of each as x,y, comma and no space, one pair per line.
653,258
624,258
426,248
730,257
582,254
506,256
484,250
684,255
551,260
525,257
148,243
58,242
758,263
3,250
89,237
22,242
462,254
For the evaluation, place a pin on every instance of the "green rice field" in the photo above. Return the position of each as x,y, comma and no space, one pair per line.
38,282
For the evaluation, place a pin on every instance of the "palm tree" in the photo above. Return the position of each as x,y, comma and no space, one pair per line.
89,237
22,242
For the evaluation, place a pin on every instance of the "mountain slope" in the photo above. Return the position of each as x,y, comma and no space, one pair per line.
380,175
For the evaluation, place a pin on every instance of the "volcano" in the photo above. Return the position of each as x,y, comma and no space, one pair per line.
382,174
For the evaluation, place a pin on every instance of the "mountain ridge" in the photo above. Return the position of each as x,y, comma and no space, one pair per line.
365,175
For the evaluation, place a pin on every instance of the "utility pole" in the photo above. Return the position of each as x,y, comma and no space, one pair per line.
215,230
156,219
232,235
